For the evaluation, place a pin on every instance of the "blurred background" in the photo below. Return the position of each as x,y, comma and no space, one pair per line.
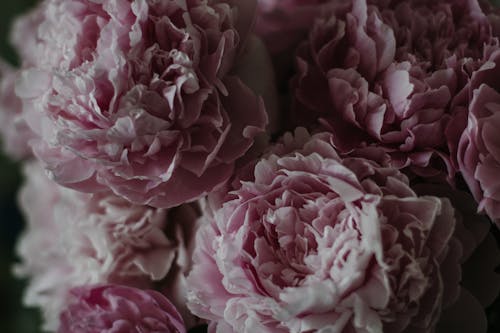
14,318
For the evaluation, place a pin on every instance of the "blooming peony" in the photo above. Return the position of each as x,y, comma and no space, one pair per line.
316,242
75,239
114,308
138,97
14,133
384,73
478,153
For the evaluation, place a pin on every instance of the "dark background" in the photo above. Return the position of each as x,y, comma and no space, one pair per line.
13,317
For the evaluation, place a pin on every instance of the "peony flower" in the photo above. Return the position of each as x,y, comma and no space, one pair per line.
478,152
317,242
14,132
100,238
384,73
138,97
115,308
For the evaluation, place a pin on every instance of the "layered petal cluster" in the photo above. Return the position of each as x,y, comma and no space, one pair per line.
478,153
137,96
75,239
384,73
114,308
317,242
14,132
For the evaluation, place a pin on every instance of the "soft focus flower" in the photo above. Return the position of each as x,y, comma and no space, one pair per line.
316,242
480,284
284,23
114,308
384,73
75,239
137,97
14,133
493,13
26,42
478,153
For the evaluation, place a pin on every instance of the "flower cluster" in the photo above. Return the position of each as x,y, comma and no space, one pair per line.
387,74
101,238
244,166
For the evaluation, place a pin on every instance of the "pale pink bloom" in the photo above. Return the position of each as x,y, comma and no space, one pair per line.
14,132
317,242
119,309
384,72
138,97
478,152
75,239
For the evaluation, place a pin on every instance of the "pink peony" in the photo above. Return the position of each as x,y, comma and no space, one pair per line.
75,239
119,309
138,97
384,73
316,242
14,133
478,153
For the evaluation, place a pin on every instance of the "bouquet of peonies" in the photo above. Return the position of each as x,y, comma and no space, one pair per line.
243,166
